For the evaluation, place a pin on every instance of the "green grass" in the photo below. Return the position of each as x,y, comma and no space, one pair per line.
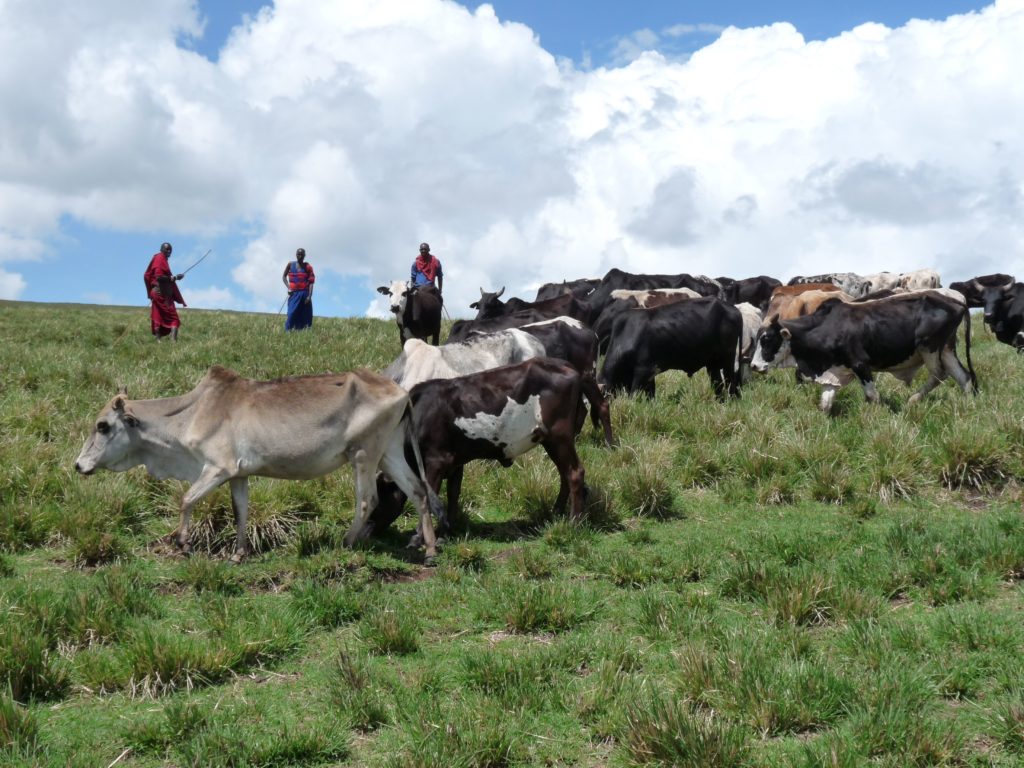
757,584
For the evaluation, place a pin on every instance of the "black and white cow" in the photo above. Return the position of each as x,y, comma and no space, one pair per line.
849,283
417,310
686,335
842,341
498,415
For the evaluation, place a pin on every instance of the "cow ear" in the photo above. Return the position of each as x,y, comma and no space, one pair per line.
130,420
475,305
118,404
383,290
786,333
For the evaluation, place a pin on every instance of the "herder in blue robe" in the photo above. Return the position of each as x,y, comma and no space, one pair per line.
299,278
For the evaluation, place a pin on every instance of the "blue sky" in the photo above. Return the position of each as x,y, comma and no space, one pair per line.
496,199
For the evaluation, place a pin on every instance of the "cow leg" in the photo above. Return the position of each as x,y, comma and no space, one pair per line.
828,397
240,506
952,365
423,497
209,480
366,495
454,514
570,475
937,373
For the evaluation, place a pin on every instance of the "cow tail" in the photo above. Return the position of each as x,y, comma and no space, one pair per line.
967,348
436,508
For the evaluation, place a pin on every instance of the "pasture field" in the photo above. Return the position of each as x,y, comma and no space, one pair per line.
758,584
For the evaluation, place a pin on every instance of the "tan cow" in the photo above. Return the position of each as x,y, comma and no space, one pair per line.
787,304
296,428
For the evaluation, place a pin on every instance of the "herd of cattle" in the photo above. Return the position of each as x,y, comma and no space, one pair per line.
522,374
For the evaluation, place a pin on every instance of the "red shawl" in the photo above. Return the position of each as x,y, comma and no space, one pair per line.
427,264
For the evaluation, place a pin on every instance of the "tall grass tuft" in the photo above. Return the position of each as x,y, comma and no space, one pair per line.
539,606
643,486
29,668
351,689
663,730
19,729
390,631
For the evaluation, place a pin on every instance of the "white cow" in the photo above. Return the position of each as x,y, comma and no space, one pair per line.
420,361
920,279
297,428
752,319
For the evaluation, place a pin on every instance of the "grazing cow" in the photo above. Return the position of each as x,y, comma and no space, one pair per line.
490,305
785,295
567,339
462,329
920,279
297,428
850,283
687,335
624,300
752,290
1007,316
579,288
846,340
497,414
985,291
417,310
419,361
616,279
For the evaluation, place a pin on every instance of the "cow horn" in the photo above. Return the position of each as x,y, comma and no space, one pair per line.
481,292
119,403
498,294
122,390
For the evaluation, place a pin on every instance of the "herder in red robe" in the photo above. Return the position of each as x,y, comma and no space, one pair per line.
162,289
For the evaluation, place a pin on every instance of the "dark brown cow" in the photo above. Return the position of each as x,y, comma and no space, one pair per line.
497,414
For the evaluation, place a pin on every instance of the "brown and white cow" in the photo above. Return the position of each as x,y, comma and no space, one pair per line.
230,428
786,301
497,414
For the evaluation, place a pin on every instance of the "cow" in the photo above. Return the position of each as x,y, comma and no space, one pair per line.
850,283
417,310
624,300
568,339
785,295
420,361
580,288
752,318
1007,316
879,281
920,279
686,335
490,305
843,340
229,428
752,290
985,291
616,279
498,415
462,329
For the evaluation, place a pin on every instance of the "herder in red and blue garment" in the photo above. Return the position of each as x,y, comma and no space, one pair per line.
299,278
162,289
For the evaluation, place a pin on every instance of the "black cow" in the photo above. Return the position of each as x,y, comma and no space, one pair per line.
985,291
686,335
579,288
655,297
461,329
490,305
752,290
841,341
497,414
567,339
616,279
1007,316
417,310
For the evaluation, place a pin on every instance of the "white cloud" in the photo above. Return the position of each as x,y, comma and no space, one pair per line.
213,297
11,285
359,129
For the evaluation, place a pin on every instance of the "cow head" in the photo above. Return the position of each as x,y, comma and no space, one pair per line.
113,439
992,296
399,292
771,347
489,304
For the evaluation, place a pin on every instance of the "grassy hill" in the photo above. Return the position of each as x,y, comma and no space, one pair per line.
759,584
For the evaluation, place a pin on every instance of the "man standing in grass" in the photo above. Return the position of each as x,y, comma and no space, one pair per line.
162,289
298,277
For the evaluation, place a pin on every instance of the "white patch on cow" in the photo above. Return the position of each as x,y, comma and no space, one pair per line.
398,299
514,428
572,322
